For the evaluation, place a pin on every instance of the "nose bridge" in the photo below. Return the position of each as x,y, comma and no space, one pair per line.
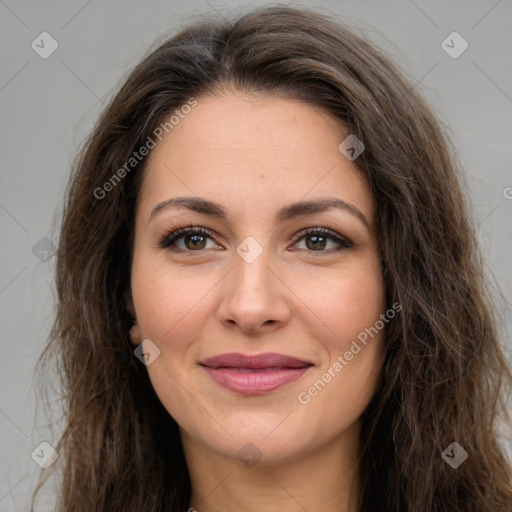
253,296
252,272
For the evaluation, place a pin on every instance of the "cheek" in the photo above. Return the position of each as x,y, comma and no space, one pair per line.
171,313
349,313
345,304
169,303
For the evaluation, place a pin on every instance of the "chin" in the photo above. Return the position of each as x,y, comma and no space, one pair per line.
263,444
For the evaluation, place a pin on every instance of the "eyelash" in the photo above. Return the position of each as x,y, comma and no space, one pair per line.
171,234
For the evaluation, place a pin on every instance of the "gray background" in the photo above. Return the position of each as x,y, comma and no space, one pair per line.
49,105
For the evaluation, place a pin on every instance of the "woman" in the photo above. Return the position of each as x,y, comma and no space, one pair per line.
270,292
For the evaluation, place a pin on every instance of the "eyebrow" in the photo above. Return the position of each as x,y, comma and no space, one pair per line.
287,212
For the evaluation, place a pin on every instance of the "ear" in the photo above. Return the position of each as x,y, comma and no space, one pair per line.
135,332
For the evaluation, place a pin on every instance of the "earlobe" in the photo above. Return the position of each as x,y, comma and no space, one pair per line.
135,334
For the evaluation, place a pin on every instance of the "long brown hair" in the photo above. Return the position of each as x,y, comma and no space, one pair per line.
445,376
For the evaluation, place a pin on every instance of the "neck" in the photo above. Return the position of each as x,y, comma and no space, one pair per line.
326,477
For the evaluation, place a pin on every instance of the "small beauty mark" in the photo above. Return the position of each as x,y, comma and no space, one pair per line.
147,352
455,455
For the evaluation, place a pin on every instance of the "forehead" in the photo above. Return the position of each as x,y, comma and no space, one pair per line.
235,148
232,119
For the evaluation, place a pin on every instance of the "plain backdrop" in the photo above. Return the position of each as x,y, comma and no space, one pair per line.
48,105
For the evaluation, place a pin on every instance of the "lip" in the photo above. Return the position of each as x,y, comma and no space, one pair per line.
254,374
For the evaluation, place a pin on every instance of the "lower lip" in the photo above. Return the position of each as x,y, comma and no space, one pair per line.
254,382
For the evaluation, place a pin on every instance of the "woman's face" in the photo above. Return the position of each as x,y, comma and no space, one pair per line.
255,173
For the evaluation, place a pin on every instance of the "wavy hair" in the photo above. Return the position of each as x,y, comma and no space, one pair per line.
445,377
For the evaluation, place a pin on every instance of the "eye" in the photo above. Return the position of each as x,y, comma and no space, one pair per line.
194,239
316,240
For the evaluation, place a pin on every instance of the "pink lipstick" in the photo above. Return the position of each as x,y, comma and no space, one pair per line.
256,374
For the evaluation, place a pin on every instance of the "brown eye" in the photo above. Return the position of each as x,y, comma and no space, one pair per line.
194,239
316,242
317,239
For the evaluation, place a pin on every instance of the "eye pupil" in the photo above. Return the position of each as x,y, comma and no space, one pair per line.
196,243
315,244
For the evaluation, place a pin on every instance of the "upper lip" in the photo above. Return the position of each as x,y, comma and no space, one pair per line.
267,360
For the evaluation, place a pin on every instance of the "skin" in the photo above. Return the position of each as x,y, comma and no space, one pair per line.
253,155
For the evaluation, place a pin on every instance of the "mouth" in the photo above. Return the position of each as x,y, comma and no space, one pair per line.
254,375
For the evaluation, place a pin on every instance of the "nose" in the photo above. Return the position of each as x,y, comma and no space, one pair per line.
255,297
